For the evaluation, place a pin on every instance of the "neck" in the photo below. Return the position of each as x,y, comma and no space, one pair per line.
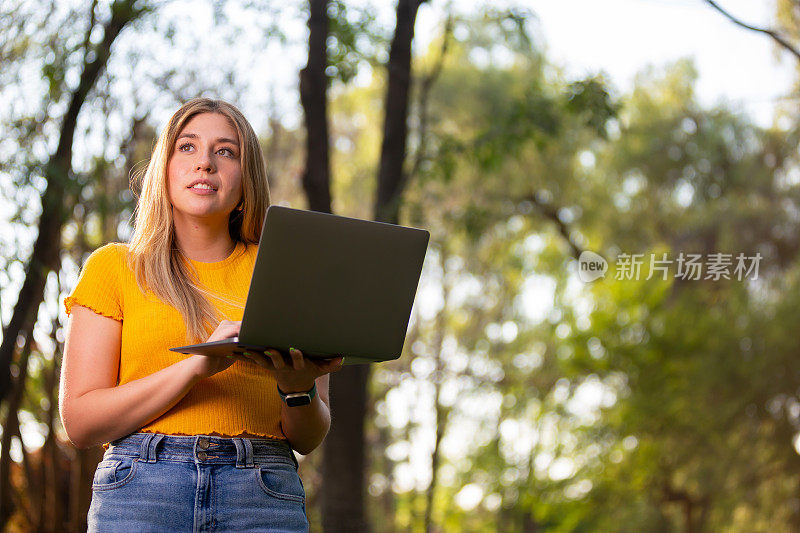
203,241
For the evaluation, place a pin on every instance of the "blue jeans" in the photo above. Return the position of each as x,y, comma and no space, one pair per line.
150,482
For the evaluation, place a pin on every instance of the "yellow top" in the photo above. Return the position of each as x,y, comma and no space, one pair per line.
242,400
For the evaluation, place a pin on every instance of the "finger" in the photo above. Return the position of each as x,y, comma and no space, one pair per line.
242,357
332,361
298,362
330,365
276,358
260,360
225,330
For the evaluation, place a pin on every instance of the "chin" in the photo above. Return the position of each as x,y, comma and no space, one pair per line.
202,213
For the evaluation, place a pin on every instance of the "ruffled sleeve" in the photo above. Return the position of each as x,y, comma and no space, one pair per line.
98,286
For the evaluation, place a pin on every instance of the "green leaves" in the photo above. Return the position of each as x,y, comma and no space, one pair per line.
591,100
353,40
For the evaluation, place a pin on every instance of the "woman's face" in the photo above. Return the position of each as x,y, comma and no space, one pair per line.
204,173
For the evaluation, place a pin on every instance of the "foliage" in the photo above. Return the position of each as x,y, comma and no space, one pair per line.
621,405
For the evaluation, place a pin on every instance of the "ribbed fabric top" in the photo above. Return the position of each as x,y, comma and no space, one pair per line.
242,400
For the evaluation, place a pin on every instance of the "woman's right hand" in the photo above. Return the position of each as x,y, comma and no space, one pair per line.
205,365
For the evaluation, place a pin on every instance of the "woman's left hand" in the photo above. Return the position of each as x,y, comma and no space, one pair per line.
297,375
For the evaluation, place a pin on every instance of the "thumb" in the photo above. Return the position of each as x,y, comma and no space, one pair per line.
336,363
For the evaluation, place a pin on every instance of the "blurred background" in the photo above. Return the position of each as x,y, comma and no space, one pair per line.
520,134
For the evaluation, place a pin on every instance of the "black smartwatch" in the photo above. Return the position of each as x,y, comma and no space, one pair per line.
296,399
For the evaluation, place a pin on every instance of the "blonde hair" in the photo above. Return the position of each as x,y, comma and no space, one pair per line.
153,253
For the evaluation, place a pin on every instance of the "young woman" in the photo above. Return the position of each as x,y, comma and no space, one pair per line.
193,443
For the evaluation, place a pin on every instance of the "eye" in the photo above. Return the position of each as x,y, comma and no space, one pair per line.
228,150
182,147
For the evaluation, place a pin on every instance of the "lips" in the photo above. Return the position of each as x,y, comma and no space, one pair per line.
202,182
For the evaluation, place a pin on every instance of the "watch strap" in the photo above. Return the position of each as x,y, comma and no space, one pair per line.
293,399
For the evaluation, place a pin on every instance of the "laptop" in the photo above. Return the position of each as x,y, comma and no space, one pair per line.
328,285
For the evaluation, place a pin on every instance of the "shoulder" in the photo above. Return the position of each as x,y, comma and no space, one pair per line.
98,286
110,250
108,256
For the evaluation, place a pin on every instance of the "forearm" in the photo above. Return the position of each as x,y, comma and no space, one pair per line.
306,426
103,415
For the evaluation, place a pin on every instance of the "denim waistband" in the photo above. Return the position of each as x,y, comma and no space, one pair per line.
206,449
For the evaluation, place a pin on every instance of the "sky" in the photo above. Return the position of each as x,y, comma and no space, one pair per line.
617,37
584,37
621,37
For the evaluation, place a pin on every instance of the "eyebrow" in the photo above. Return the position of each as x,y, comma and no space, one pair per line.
219,139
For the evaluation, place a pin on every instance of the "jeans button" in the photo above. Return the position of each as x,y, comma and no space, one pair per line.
202,456
202,443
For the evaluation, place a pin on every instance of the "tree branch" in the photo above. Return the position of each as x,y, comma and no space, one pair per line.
777,38
57,196
551,213
426,84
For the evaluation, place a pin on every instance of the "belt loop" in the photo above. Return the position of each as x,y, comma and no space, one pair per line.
240,452
152,448
144,447
248,446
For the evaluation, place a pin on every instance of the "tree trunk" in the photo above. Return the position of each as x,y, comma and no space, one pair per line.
345,466
314,97
57,195
387,502
82,464
10,430
391,174
56,472
438,378
56,201
344,461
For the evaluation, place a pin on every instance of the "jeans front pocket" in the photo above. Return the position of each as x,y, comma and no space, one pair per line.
281,481
114,471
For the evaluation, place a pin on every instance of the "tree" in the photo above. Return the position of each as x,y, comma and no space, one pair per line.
486,123
696,432
57,199
67,47
344,460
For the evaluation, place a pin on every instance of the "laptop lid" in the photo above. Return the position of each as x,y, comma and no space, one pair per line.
329,285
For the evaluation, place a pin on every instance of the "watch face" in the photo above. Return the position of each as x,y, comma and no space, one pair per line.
298,400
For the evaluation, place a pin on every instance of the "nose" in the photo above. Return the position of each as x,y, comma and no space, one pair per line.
204,162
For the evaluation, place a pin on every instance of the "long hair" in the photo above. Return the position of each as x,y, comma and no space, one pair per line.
153,253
